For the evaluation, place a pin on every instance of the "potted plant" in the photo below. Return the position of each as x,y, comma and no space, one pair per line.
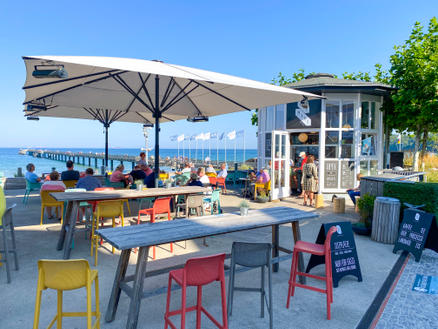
366,209
244,207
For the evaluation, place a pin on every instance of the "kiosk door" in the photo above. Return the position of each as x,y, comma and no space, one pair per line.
280,165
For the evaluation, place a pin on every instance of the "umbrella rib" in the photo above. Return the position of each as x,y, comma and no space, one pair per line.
93,114
145,89
75,86
141,116
135,97
174,101
190,100
69,79
127,88
223,96
167,93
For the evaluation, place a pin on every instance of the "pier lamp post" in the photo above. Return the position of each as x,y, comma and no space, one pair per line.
146,128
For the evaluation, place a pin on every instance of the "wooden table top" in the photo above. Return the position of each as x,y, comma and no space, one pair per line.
148,234
126,194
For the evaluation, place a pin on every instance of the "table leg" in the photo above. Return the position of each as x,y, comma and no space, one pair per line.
115,293
71,228
64,224
275,243
140,272
297,236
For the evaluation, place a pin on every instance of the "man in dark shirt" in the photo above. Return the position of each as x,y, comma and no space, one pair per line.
149,181
88,182
70,173
137,173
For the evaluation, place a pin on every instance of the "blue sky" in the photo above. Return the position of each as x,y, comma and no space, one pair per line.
252,39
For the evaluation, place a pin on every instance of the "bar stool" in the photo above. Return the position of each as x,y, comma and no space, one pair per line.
5,224
252,255
197,272
63,275
314,249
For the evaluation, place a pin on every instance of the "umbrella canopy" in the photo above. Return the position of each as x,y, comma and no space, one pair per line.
133,90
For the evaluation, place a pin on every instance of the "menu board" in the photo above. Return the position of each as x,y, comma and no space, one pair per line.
347,174
414,231
343,252
331,174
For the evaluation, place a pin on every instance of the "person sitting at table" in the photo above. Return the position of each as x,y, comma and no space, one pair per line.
252,176
187,168
263,176
194,180
54,184
70,173
137,173
30,176
223,172
149,181
202,177
88,182
143,161
210,171
147,170
354,192
119,176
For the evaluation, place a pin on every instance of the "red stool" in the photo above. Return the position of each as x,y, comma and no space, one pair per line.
161,206
314,249
197,272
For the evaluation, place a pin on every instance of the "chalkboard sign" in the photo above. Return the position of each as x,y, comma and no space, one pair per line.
343,248
331,174
347,174
396,159
414,231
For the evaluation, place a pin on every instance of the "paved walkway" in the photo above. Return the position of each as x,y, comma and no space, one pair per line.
407,308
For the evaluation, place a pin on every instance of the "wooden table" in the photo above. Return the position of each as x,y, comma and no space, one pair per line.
147,235
74,199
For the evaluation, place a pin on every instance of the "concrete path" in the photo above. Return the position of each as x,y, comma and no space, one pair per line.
308,310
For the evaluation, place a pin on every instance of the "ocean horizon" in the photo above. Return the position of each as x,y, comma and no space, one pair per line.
11,160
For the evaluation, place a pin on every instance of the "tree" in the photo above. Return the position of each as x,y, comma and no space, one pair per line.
414,71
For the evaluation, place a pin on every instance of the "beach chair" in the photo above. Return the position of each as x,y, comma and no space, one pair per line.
29,188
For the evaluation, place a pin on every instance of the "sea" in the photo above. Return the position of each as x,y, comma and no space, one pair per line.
10,159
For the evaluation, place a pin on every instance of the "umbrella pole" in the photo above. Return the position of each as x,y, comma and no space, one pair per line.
157,130
106,146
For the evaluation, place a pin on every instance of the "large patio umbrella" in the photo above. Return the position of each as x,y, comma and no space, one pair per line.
111,89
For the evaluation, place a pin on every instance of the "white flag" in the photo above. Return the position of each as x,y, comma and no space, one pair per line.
180,138
200,136
206,136
231,135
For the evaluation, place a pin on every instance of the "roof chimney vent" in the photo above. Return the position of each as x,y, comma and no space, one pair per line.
320,75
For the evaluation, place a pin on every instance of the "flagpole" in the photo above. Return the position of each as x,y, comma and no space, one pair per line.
196,152
189,148
178,150
225,137
244,146
235,140
183,148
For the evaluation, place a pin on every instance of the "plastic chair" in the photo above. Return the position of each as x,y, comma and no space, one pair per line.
197,272
214,201
67,275
195,202
252,255
104,209
266,186
82,205
48,201
6,223
213,180
109,188
220,182
164,176
161,206
314,249
70,183
29,188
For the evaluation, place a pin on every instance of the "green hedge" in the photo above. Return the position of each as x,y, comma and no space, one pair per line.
414,193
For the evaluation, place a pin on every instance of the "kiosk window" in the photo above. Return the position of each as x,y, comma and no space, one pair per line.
368,145
347,145
331,144
268,145
347,115
332,114
373,116
365,115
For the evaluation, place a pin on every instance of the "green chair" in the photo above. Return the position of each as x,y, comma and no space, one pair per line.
214,201
29,188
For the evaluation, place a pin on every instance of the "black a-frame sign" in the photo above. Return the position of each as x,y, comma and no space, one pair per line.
343,251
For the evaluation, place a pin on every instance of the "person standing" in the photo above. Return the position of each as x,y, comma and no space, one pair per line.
299,171
143,161
310,180
70,173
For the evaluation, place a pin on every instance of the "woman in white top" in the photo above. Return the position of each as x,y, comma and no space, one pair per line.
202,177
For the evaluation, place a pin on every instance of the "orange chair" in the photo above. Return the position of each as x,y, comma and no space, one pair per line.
220,182
197,272
161,206
213,180
48,201
319,250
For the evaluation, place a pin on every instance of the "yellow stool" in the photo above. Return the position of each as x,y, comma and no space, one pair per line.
104,209
67,275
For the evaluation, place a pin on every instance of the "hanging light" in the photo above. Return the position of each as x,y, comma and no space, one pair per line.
49,71
36,107
33,118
